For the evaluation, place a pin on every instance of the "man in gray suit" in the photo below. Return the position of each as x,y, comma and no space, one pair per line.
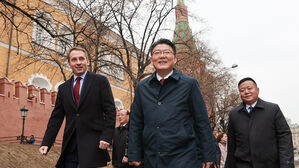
258,134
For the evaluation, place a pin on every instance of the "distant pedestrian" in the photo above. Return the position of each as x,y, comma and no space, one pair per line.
222,141
120,150
258,134
216,164
31,140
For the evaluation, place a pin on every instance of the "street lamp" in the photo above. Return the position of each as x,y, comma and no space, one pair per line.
219,120
24,111
234,66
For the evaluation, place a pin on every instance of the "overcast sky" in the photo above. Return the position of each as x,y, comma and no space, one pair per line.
262,37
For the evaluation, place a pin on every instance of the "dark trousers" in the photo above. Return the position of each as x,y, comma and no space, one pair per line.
71,159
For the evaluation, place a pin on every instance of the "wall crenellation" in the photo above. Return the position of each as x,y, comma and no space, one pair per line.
20,91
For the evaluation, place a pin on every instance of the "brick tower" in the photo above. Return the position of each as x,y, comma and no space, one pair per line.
187,52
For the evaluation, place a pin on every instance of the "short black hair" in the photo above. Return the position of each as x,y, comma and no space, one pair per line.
246,79
163,41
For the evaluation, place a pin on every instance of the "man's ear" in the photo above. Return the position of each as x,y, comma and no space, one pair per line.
175,59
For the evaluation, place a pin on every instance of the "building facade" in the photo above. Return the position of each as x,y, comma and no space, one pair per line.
33,60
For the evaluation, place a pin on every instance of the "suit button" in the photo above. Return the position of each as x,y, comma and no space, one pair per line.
159,103
77,114
158,127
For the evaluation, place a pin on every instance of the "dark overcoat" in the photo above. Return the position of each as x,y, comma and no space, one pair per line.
169,125
93,119
261,138
119,148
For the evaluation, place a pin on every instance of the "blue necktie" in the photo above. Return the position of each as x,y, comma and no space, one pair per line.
250,109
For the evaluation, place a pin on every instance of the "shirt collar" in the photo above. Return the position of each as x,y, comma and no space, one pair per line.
167,76
82,76
247,106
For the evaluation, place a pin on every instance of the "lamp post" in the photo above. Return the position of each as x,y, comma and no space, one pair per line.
24,111
234,66
220,119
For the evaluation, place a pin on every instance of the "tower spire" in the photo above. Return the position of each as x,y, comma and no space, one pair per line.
182,32
180,2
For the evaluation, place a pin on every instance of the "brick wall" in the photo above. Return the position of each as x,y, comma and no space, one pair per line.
40,103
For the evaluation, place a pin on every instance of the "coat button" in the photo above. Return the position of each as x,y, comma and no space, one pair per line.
158,127
77,114
159,103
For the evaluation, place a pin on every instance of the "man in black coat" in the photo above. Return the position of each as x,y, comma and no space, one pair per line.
169,124
87,103
120,140
258,134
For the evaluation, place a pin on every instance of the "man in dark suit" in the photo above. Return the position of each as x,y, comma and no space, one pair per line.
169,124
258,134
120,140
87,103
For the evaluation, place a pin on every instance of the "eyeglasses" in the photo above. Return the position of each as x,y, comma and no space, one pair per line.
164,52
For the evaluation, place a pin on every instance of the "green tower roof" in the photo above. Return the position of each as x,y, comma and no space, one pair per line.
180,2
182,30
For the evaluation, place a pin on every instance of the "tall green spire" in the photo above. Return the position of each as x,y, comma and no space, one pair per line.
182,32
180,2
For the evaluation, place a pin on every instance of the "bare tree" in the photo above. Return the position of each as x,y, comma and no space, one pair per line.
226,98
217,84
117,34
137,31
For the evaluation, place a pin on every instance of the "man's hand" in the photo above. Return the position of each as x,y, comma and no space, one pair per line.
43,150
206,164
104,145
135,163
125,159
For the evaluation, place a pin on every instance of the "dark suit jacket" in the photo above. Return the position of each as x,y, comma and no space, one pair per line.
120,145
93,119
259,139
169,124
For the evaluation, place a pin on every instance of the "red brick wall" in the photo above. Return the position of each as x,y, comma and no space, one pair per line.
40,103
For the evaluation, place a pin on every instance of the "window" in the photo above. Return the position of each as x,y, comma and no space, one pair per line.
117,71
104,63
65,39
41,36
110,64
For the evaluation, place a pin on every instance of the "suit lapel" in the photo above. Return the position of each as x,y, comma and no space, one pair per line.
86,85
